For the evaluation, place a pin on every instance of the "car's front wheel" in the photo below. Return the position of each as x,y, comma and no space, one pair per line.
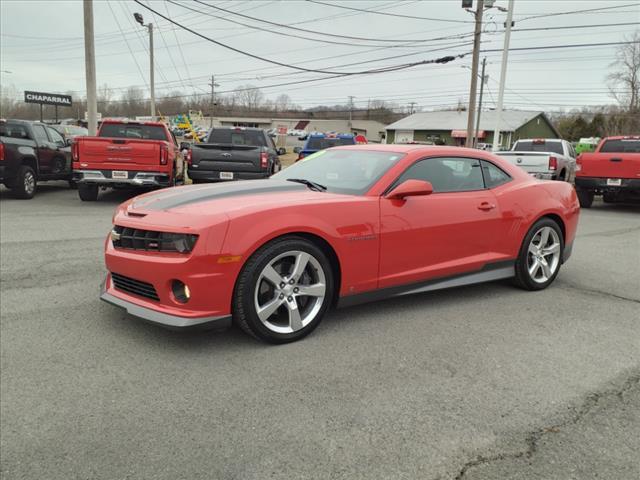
284,290
540,255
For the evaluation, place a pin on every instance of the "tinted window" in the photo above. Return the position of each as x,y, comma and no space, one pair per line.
254,138
342,171
13,130
447,174
55,136
322,143
493,176
621,146
40,133
538,146
129,130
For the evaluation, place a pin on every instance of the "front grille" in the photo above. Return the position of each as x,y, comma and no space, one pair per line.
150,240
135,287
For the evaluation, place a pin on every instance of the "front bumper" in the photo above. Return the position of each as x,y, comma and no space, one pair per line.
174,322
134,178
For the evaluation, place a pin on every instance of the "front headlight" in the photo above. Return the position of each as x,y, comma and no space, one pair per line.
181,242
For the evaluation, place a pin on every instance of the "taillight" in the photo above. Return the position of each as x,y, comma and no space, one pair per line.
553,163
1,151
264,160
189,158
579,163
74,151
164,155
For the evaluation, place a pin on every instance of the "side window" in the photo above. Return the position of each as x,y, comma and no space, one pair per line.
55,136
493,176
40,134
447,174
175,142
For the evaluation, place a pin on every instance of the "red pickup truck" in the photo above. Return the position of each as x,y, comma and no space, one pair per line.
612,170
126,154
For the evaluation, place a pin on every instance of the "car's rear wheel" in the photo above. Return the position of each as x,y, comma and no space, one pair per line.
88,192
540,256
585,198
283,291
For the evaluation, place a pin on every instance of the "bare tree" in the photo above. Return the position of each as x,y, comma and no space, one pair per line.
249,97
624,82
282,103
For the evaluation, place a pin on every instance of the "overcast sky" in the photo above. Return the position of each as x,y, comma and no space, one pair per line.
42,48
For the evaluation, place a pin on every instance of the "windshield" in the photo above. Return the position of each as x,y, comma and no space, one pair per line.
322,143
529,146
253,138
132,130
621,146
347,171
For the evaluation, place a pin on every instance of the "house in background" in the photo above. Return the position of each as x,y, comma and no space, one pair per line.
450,127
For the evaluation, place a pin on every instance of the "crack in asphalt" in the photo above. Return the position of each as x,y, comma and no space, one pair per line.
533,438
572,286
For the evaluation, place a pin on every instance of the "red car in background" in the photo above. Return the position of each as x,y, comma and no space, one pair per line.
343,226
612,170
126,154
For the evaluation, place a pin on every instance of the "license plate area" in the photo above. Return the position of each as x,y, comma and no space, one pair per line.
614,182
120,174
226,175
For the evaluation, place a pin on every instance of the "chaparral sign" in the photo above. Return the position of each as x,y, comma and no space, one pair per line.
47,98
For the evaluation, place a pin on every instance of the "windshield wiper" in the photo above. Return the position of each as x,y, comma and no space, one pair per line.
312,185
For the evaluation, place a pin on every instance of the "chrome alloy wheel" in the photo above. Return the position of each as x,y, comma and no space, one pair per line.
290,292
543,258
29,183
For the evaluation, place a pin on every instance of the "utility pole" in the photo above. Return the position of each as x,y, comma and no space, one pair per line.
482,82
90,67
351,97
152,83
411,105
503,77
213,84
474,72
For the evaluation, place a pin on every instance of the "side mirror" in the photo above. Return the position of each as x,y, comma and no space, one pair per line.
68,142
297,149
410,188
185,145
282,151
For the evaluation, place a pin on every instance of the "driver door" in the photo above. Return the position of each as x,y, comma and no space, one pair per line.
443,234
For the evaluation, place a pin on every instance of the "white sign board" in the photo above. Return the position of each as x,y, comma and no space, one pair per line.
98,116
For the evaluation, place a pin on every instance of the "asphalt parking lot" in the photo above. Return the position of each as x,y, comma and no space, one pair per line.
478,382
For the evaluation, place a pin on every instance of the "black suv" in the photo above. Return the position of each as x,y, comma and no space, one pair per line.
31,152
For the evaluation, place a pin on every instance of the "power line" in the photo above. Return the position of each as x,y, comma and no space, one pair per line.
555,14
390,14
257,57
128,46
282,25
568,27
273,32
550,47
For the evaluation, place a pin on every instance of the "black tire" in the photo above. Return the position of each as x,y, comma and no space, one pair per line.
244,308
563,176
585,198
608,198
26,183
522,278
73,185
88,192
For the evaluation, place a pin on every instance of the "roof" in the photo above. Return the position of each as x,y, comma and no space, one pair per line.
457,120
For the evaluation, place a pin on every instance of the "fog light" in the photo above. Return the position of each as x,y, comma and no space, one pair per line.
180,291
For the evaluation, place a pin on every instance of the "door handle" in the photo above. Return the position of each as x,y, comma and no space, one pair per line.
616,159
486,206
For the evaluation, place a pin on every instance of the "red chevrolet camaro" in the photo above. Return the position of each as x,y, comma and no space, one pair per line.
343,226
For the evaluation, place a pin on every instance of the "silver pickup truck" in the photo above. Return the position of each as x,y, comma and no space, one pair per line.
546,158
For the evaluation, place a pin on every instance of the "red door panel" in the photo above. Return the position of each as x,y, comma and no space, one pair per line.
438,235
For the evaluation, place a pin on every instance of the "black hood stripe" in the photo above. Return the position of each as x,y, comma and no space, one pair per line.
173,198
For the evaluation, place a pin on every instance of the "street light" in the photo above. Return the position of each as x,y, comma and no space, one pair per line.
138,18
